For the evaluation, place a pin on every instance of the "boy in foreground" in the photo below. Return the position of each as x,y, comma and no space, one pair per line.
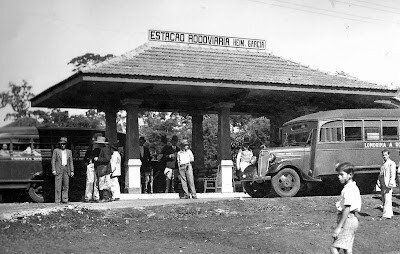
348,206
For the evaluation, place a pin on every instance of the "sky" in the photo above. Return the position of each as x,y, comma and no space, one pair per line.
39,38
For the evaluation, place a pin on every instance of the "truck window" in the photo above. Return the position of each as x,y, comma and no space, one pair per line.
4,148
352,130
331,132
21,147
390,130
372,130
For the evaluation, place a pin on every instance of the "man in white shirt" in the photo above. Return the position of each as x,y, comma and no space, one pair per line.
62,168
185,158
387,180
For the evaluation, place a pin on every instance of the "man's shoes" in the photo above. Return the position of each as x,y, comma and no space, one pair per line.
116,199
185,197
194,196
384,218
65,202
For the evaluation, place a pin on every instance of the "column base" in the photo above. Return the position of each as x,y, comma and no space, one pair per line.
132,177
133,191
226,176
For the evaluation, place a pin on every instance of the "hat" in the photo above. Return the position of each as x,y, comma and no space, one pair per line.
63,140
101,140
246,141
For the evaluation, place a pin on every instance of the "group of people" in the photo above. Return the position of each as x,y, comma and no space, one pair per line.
103,168
103,165
175,162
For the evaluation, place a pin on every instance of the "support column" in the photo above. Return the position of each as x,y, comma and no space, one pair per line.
132,152
111,124
275,123
198,140
224,146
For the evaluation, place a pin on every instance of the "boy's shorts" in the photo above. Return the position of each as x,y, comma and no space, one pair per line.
345,238
168,172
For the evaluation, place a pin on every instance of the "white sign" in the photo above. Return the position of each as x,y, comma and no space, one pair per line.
205,39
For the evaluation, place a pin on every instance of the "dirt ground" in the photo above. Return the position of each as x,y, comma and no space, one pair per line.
245,225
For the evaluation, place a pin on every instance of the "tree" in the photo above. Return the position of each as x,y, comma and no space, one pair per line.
18,98
88,59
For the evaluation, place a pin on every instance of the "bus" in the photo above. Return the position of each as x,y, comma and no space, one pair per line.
312,146
25,159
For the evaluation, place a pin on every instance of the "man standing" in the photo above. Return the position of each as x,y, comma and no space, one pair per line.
185,159
145,170
387,180
92,187
62,168
169,153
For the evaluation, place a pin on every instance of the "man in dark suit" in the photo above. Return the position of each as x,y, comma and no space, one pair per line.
146,170
168,159
62,168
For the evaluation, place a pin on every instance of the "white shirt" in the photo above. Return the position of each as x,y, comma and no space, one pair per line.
64,157
116,163
350,196
185,157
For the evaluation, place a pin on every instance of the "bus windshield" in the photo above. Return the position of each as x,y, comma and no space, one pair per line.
296,135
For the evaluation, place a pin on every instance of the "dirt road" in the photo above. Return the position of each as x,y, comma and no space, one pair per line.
274,225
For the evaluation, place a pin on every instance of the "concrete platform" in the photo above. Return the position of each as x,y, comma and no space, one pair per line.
208,195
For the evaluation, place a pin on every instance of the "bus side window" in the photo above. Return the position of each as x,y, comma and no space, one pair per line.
372,130
390,130
352,130
43,149
331,132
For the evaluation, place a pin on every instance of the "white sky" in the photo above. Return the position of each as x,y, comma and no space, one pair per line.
359,37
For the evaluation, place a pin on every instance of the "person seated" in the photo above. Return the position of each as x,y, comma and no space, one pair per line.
27,151
4,151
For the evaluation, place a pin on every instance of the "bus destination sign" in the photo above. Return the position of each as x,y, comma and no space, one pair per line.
205,39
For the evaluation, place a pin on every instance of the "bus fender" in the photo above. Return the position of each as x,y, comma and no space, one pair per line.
249,173
278,167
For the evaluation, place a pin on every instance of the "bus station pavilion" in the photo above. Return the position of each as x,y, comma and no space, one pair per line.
198,80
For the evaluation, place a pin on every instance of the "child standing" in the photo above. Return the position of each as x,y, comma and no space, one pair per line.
348,206
116,172
387,181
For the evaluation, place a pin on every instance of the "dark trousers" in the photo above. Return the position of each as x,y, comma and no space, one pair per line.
61,182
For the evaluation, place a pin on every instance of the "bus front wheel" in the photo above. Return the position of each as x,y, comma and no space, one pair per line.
35,192
286,183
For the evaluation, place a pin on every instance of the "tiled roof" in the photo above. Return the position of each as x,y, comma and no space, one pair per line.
219,64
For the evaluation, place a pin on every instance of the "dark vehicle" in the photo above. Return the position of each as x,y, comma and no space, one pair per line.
314,144
25,163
